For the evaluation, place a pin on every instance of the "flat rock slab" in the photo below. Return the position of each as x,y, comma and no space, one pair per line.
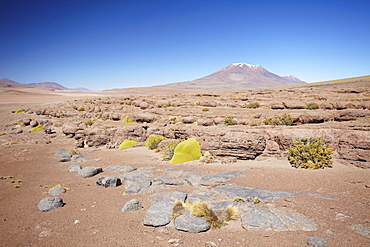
136,177
218,178
190,223
256,218
316,241
169,180
362,229
159,214
323,196
89,171
50,203
232,191
169,195
192,178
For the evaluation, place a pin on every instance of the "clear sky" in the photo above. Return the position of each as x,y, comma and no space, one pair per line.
127,43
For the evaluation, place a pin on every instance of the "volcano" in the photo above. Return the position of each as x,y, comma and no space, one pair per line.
238,76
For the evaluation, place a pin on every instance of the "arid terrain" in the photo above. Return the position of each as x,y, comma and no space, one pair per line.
331,203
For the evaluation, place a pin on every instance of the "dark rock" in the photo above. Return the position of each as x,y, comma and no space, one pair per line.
50,203
132,205
65,158
109,181
190,223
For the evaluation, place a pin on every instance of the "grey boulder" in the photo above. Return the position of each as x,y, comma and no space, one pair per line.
89,171
131,205
109,181
50,203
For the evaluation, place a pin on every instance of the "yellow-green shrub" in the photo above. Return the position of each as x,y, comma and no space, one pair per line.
127,144
253,105
37,128
284,119
229,121
185,151
312,106
153,141
310,153
128,120
19,111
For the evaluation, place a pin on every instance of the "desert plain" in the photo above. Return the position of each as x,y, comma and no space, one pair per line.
334,201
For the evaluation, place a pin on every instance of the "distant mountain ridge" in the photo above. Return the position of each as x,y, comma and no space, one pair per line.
44,85
238,76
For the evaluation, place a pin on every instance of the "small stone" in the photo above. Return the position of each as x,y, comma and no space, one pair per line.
175,241
316,241
50,203
342,216
132,205
211,244
65,158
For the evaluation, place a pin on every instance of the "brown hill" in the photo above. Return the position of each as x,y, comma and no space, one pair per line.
237,76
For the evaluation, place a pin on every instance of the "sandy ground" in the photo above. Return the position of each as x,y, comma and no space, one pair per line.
98,210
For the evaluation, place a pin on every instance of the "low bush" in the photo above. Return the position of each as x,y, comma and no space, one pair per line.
310,153
127,144
153,141
185,151
205,109
312,106
128,120
89,122
37,128
253,105
284,119
229,120
19,111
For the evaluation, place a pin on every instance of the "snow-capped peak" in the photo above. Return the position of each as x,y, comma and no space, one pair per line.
246,64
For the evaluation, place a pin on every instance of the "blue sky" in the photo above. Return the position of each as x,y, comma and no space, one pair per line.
126,43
